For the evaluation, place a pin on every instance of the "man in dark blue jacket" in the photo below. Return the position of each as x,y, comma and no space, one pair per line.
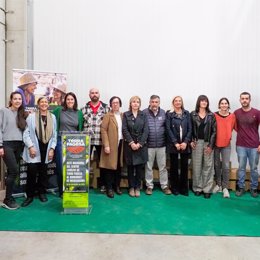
156,143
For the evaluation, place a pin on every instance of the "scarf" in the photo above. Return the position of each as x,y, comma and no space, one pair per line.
44,134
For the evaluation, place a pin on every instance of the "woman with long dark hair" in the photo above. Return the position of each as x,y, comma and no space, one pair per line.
40,140
225,125
12,125
178,126
69,119
203,142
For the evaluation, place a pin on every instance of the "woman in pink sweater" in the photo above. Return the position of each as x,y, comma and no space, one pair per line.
225,125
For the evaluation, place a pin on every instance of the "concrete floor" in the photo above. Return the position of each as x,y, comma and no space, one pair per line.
74,246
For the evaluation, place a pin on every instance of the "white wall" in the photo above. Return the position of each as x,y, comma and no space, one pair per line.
144,47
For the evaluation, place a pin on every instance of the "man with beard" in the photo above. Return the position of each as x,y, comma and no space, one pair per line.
248,144
93,113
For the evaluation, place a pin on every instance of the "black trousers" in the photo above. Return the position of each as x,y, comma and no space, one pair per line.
101,170
12,155
135,173
37,179
179,181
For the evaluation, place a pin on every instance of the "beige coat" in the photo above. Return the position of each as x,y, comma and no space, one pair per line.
109,135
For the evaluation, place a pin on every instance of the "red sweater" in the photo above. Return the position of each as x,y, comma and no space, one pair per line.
225,126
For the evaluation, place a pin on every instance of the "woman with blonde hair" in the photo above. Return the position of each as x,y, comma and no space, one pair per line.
135,133
178,128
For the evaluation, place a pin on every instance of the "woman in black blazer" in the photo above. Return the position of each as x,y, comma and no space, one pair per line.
179,132
135,132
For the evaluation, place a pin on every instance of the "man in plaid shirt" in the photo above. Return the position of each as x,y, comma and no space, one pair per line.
93,113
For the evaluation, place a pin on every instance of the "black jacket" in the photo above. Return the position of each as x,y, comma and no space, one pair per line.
135,130
173,123
157,131
209,130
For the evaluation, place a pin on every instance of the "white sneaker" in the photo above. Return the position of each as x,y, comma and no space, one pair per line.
226,193
217,189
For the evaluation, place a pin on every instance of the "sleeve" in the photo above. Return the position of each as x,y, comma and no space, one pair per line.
169,131
145,132
189,129
26,134
54,134
213,132
81,120
127,136
104,129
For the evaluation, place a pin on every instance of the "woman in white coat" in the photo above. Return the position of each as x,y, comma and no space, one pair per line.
40,138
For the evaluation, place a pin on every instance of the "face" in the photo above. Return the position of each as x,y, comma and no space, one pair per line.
16,101
135,104
177,103
70,101
94,95
31,88
154,104
223,105
203,104
43,105
57,94
115,105
245,101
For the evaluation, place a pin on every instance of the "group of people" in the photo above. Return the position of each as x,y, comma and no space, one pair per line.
136,137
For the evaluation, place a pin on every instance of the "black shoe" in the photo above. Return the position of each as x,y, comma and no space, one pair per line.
197,193
175,192
110,194
27,202
10,204
43,197
118,191
184,193
207,195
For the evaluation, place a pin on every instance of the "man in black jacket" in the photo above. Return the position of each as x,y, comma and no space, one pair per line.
156,143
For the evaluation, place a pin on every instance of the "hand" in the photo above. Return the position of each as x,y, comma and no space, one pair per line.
178,146
258,149
133,146
183,146
51,155
208,150
193,145
107,150
32,152
2,152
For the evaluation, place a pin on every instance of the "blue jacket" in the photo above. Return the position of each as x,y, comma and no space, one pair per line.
173,123
157,130
30,139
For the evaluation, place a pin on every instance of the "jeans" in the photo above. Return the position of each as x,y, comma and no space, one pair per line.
135,173
244,153
12,153
222,166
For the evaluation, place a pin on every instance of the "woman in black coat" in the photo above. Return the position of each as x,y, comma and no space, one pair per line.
135,132
179,132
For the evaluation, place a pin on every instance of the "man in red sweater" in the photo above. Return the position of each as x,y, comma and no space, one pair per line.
248,144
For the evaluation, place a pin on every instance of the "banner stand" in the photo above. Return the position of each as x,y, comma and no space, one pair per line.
75,170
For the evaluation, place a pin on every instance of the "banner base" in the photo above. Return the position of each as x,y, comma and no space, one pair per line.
83,211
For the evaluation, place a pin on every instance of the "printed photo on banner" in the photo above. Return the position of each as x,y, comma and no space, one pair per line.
34,84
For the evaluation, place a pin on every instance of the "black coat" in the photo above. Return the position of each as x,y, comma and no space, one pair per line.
173,123
135,130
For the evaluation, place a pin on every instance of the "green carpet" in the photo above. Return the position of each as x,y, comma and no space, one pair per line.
156,214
